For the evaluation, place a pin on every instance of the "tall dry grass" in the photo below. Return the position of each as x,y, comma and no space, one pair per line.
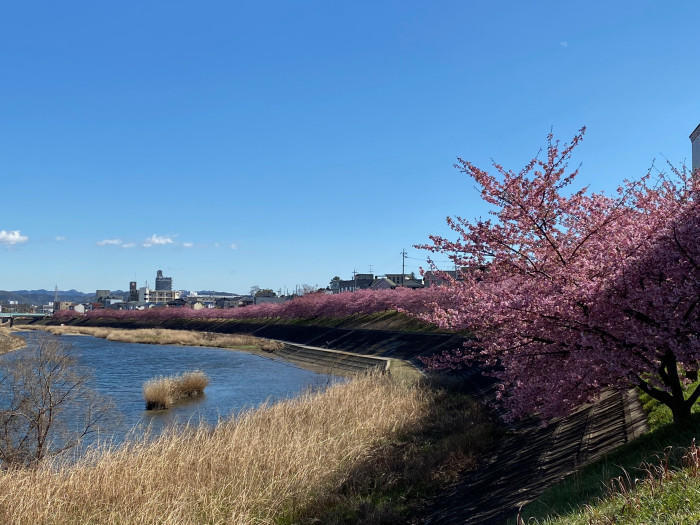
164,336
162,392
263,464
9,342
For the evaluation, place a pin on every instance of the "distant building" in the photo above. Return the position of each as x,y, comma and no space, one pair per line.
112,300
695,141
146,295
235,302
133,292
101,295
438,278
361,281
265,299
400,278
62,306
396,280
163,283
383,284
176,303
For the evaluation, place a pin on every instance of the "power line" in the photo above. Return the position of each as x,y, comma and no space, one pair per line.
403,264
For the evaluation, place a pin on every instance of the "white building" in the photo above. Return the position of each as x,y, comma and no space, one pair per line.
146,295
695,140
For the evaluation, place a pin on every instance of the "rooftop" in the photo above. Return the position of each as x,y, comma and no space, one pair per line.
695,134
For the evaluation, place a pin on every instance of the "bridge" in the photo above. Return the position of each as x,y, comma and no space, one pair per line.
15,315
5,315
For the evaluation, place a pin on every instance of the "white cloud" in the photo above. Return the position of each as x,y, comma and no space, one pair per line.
234,246
60,238
157,240
12,237
110,242
564,43
187,244
129,245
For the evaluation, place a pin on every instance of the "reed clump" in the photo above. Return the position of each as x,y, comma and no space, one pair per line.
254,468
162,392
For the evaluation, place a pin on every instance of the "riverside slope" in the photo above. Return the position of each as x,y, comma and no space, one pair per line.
527,461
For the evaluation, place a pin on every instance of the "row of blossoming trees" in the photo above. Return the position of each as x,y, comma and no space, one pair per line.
567,292
313,305
581,291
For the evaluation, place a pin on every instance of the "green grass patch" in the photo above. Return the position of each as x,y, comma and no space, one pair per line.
585,495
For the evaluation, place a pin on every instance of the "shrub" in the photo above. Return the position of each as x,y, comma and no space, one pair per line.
162,392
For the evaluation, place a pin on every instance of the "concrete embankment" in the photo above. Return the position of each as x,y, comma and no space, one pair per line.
331,361
532,458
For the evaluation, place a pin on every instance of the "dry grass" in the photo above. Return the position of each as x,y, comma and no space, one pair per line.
158,393
9,342
161,392
193,383
267,463
163,336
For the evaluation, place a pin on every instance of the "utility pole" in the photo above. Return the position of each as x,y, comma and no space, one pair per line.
403,265
354,280
370,269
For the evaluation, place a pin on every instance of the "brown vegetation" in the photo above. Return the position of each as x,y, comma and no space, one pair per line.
165,337
9,342
161,392
287,462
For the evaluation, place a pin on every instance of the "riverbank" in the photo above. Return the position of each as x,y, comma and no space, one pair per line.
370,450
162,336
9,342
371,335
315,359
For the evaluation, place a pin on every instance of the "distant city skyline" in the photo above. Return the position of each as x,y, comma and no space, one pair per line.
278,143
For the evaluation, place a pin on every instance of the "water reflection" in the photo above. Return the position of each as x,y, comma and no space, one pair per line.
237,380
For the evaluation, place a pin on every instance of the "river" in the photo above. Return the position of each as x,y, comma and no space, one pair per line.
237,380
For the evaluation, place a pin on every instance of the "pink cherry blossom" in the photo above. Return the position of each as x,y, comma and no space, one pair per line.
570,292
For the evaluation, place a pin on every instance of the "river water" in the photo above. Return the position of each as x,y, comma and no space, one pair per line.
237,380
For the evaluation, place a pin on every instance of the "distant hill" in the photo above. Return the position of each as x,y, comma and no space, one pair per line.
39,297
212,292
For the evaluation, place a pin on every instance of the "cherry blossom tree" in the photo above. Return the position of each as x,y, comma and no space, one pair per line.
570,292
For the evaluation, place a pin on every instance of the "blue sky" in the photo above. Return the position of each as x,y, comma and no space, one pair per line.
278,143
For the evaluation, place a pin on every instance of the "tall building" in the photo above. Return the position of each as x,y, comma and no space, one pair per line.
695,140
133,291
163,283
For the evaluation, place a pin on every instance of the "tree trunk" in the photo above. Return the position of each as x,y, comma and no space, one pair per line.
675,399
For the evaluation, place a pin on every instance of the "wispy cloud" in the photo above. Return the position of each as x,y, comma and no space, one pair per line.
129,245
110,242
187,244
564,43
234,246
12,237
157,240
60,238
